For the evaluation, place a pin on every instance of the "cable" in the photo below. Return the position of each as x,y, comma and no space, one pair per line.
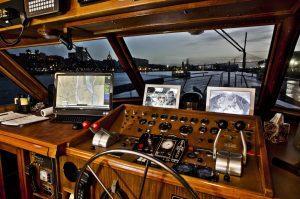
15,42
25,23
144,178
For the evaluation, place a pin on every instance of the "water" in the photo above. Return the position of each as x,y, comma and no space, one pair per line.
199,79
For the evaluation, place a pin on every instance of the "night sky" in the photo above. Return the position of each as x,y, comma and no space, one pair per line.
173,48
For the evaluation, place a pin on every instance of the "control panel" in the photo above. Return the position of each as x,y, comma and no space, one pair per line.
226,150
35,8
42,175
198,144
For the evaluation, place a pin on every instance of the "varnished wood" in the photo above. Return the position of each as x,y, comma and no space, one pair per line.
2,185
22,159
46,138
21,77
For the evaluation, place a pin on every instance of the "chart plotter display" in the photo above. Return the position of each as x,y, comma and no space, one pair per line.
85,91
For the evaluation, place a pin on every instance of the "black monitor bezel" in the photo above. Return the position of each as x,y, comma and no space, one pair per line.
81,111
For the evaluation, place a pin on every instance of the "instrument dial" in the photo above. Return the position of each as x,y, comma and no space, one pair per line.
186,129
183,119
164,116
143,121
173,118
154,116
168,144
194,120
165,126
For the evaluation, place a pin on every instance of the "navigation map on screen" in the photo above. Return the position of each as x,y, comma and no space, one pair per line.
83,91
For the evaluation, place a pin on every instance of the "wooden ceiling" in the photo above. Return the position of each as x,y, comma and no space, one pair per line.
127,18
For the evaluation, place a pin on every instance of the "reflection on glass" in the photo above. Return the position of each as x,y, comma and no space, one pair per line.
289,96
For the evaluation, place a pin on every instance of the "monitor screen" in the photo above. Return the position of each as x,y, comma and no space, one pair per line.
83,91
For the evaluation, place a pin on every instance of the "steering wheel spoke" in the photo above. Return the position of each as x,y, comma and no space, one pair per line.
148,163
99,181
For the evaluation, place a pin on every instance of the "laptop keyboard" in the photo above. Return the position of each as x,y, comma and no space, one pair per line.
75,118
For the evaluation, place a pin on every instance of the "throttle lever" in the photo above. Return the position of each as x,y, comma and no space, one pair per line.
240,126
222,124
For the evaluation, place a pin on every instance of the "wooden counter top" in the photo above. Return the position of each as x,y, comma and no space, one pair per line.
46,138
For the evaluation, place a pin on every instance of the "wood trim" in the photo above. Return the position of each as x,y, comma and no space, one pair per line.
197,184
282,47
24,186
21,77
264,162
2,185
9,107
25,145
153,11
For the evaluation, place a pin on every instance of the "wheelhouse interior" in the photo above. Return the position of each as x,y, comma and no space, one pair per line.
149,99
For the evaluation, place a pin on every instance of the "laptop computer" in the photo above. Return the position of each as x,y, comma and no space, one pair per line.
82,96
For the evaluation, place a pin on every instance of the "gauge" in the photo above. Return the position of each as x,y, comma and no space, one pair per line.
173,118
183,119
165,126
143,121
194,120
151,123
186,129
203,129
168,144
154,116
204,121
164,116
183,168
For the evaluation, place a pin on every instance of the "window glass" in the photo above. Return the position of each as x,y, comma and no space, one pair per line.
8,90
204,58
44,61
289,96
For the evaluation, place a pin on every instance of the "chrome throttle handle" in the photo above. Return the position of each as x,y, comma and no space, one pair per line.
222,124
240,126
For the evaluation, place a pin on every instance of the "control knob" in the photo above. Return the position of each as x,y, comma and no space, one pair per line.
222,124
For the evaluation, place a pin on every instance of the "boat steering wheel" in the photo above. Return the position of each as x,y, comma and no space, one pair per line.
139,154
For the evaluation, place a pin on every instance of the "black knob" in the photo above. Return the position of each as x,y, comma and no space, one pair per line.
204,121
227,177
240,125
222,124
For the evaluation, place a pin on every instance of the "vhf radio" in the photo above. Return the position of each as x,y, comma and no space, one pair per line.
35,8
10,13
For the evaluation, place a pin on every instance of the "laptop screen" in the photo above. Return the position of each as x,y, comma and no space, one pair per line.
83,92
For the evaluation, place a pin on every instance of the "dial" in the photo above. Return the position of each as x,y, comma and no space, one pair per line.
168,144
186,129
165,126
151,123
204,121
143,121
164,116
173,118
183,119
194,120
154,116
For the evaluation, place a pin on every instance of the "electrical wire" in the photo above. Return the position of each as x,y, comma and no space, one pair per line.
15,42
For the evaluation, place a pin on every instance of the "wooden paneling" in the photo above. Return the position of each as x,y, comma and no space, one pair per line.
46,138
2,185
